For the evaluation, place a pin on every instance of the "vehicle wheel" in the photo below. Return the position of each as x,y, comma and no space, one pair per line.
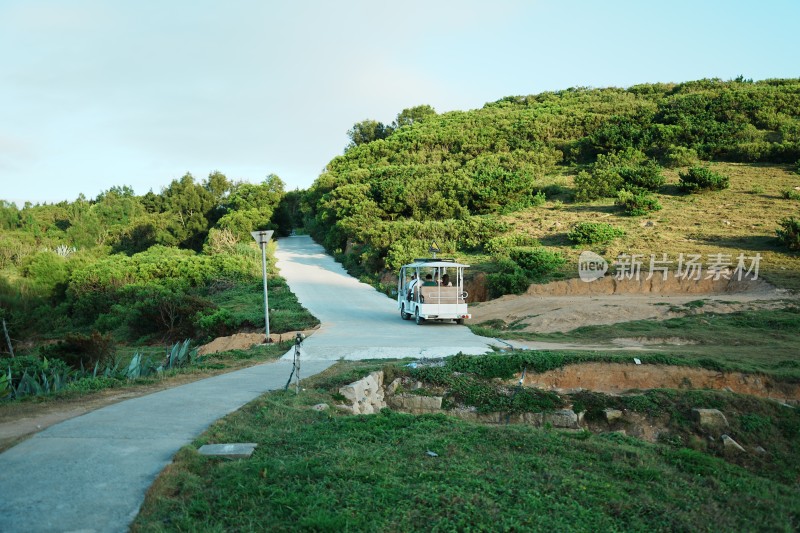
418,319
460,321
403,314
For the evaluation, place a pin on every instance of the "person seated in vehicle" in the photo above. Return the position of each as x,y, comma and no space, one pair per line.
410,287
446,281
429,281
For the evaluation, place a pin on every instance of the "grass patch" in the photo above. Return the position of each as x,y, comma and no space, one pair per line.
731,221
242,306
326,471
755,341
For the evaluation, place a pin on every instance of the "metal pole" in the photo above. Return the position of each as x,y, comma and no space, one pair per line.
266,298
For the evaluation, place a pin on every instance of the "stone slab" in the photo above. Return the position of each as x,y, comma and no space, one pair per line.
238,450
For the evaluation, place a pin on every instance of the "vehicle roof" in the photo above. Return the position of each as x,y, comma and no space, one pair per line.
435,263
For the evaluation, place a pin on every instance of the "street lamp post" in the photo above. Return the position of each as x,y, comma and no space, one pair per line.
262,238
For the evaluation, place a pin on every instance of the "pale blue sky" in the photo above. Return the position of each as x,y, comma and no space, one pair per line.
98,93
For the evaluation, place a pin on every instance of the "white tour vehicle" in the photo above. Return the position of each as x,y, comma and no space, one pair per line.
432,289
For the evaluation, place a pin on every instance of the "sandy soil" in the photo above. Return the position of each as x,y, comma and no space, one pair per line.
565,305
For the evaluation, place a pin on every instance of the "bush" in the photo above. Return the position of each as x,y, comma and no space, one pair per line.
167,310
645,176
593,233
681,156
510,279
790,194
537,263
82,351
637,203
599,184
698,179
789,233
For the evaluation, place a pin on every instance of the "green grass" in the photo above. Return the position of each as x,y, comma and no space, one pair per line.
244,303
762,341
732,221
324,471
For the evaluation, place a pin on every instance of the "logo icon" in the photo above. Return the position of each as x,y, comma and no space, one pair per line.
591,266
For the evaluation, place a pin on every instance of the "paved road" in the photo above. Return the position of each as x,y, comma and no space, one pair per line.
90,473
358,322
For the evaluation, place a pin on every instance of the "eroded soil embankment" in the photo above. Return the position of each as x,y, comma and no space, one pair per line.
616,378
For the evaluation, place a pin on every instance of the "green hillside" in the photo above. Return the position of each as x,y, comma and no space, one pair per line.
523,170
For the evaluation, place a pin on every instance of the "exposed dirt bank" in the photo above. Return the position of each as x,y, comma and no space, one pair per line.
565,305
616,378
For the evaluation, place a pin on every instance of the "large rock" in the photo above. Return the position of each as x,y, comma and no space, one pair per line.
612,414
415,403
710,419
563,418
365,396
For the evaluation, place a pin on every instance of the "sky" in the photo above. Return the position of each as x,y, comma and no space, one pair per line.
102,93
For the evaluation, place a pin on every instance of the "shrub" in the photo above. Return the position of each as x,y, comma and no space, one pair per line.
600,183
593,233
82,351
537,263
681,156
645,176
702,178
789,233
510,279
636,203
538,199
790,194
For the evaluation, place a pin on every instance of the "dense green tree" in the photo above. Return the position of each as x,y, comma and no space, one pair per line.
367,131
189,205
413,115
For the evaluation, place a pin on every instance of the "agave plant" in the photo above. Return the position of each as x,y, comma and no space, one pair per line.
64,251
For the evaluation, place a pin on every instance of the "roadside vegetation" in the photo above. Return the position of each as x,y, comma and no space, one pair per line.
391,471
98,293
711,163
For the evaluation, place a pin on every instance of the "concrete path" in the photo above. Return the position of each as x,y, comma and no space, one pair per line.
90,473
358,322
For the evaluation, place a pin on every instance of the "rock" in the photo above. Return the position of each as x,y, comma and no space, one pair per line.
534,419
731,445
612,414
416,404
563,418
321,407
394,385
710,419
759,450
366,394
241,450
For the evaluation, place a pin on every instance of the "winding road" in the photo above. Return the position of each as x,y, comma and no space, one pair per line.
358,322
90,473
